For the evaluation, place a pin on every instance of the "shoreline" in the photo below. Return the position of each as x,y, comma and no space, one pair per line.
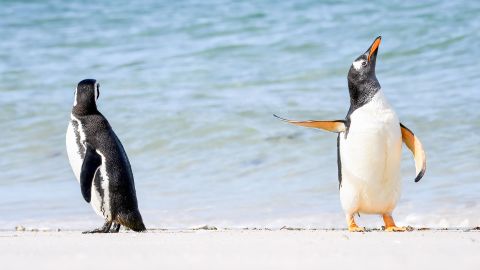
21,228
242,249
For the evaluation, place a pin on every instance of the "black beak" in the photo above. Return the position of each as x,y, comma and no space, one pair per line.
372,51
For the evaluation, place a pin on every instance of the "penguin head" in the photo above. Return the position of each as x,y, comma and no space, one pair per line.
86,96
362,71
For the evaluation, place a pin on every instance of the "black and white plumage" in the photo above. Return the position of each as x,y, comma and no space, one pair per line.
369,146
100,163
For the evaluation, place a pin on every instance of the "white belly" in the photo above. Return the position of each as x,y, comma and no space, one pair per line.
370,158
73,151
75,154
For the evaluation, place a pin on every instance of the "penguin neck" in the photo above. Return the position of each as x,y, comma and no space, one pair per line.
84,109
361,93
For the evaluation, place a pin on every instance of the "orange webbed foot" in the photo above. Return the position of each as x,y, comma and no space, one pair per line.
395,229
352,226
390,224
356,229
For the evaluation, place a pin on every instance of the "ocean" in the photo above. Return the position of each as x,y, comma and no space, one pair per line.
190,88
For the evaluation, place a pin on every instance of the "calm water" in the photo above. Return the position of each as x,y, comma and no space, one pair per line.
190,90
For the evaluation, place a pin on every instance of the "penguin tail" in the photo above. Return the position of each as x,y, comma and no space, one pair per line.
132,220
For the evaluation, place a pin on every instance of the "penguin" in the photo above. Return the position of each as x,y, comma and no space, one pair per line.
369,146
100,163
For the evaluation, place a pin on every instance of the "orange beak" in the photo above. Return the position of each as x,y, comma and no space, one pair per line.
374,47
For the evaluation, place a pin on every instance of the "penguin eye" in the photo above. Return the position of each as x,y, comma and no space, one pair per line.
364,63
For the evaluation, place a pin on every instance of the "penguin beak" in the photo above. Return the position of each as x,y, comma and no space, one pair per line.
97,90
372,51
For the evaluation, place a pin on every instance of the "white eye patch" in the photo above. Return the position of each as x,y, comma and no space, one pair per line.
358,64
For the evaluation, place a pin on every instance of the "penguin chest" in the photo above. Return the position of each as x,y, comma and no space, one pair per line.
370,160
75,141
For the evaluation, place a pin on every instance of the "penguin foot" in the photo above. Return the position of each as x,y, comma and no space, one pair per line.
104,229
115,228
395,229
390,224
356,229
352,226
99,230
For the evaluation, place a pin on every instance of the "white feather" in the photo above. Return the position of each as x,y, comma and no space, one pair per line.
105,186
370,158
73,151
358,64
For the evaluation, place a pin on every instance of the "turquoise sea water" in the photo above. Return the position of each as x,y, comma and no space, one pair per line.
190,88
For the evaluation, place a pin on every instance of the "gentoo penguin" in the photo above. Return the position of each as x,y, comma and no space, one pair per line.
100,163
369,146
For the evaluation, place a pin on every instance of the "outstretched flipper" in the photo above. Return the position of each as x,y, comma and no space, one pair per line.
336,126
414,144
90,165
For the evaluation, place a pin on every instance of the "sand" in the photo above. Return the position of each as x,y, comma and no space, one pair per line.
241,249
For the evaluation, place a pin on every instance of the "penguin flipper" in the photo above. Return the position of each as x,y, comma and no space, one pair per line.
90,165
336,126
414,144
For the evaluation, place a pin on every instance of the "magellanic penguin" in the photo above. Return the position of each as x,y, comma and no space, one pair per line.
100,163
369,146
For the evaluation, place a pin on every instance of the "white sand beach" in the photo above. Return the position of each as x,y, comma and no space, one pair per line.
241,249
